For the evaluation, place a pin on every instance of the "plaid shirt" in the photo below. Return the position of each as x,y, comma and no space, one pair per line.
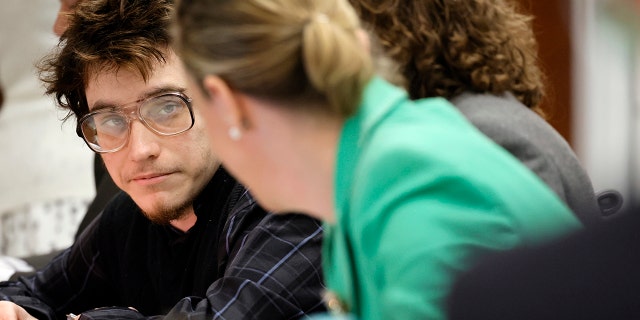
237,262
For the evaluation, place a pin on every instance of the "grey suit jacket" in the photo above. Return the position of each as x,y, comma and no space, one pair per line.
528,137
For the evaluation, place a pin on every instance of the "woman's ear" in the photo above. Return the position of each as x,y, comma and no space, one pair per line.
228,107
364,39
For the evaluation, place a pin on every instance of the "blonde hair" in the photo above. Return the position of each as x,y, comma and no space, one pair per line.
297,52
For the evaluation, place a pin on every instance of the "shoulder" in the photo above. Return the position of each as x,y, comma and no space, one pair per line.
450,163
243,214
280,245
242,210
247,219
511,124
534,142
428,135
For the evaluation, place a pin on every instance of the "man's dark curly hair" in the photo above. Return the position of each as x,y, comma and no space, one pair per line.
445,47
105,35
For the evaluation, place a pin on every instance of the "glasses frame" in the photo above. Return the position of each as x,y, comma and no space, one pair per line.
138,116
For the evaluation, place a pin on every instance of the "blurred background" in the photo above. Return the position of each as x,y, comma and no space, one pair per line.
605,100
590,53
46,170
589,50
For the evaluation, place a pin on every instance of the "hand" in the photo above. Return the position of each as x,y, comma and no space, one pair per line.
12,311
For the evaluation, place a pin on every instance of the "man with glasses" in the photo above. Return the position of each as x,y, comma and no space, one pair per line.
184,240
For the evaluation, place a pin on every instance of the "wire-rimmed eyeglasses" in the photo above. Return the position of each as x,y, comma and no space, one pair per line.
107,130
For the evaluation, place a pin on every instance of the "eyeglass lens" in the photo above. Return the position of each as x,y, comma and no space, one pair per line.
108,130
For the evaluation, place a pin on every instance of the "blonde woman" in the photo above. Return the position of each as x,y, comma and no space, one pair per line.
410,192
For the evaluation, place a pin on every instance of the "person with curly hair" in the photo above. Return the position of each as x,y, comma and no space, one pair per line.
482,56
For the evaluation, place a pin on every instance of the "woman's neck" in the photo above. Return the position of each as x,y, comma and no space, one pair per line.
310,168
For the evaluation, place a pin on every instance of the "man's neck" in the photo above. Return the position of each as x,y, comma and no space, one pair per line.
186,221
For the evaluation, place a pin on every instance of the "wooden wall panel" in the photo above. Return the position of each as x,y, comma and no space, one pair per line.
552,26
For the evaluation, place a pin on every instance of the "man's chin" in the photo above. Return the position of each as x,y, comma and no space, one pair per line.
161,207
162,211
163,216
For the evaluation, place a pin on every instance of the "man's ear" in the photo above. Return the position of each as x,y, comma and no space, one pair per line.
225,101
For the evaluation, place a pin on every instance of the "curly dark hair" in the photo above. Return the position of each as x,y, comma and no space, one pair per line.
445,47
105,35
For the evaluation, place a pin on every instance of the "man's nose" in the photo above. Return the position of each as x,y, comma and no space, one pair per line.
143,143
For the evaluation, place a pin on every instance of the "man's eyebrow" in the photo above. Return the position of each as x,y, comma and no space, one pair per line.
98,105
161,90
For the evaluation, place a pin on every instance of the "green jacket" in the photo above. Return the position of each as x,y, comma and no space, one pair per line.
420,195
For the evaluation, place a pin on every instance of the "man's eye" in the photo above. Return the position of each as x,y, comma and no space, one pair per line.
168,109
165,110
113,122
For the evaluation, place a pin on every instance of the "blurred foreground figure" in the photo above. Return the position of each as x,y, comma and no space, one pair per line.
590,275
410,192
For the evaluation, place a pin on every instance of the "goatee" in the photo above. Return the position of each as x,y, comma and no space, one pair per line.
163,215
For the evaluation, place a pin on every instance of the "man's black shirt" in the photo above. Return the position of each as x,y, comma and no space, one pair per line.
236,262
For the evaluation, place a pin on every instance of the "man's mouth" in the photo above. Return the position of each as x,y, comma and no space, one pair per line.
150,178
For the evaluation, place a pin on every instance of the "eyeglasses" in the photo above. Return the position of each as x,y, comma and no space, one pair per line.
107,130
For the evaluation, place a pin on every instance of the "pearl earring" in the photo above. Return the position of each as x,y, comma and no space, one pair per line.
234,133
